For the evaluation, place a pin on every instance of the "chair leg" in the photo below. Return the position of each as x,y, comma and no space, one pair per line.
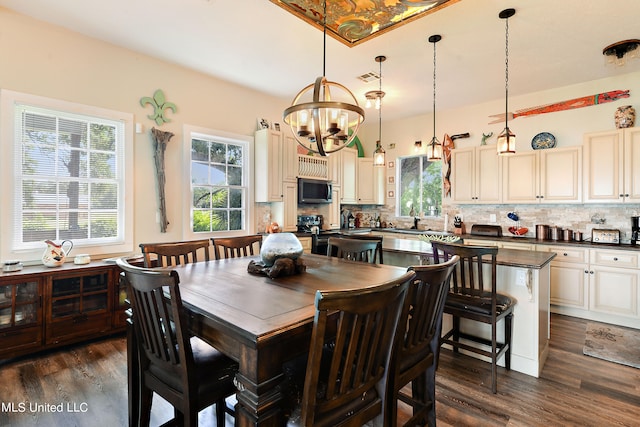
508,330
419,395
220,412
456,332
494,357
430,394
146,397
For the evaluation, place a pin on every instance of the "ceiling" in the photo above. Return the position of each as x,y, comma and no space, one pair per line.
259,44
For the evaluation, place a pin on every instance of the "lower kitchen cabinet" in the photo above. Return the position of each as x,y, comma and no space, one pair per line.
44,307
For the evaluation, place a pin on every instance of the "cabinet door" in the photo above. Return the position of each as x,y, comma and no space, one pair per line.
632,165
290,202
348,180
366,183
520,178
20,317
569,285
614,291
488,175
268,168
603,168
335,216
560,175
289,158
463,183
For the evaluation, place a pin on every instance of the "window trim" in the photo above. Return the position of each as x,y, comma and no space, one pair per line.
8,190
189,131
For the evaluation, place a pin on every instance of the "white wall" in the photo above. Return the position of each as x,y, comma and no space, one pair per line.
567,126
45,60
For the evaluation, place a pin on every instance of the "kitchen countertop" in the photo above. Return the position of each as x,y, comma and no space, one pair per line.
507,257
525,240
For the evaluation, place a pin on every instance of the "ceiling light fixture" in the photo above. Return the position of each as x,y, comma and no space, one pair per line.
617,53
374,98
434,150
328,118
506,140
379,154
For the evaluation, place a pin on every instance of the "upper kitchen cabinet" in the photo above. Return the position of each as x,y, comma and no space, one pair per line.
476,175
612,166
370,184
543,176
275,163
348,175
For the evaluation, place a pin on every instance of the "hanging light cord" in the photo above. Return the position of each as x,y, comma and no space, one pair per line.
324,45
506,76
380,109
434,140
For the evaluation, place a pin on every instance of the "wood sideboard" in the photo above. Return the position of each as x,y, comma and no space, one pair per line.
42,307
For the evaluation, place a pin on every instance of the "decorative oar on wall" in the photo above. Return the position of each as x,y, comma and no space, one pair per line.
447,146
160,140
585,101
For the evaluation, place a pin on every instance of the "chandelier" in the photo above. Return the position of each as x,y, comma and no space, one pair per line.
324,116
434,148
506,143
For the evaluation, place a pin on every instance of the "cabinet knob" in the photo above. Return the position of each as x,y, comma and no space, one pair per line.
591,272
615,258
626,195
586,271
565,254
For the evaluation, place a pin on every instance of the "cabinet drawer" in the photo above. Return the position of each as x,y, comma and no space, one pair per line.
16,340
77,327
566,253
613,258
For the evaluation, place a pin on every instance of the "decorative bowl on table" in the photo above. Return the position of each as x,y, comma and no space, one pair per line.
280,245
447,238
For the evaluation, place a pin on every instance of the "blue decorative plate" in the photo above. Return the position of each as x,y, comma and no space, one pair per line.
543,140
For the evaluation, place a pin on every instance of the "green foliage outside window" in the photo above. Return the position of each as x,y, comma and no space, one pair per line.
420,186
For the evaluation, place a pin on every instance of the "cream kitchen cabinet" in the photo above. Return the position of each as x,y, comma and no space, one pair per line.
476,175
285,212
613,284
276,162
543,176
595,284
370,182
612,166
348,175
569,277
335,216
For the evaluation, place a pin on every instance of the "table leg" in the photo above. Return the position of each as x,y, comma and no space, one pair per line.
133,378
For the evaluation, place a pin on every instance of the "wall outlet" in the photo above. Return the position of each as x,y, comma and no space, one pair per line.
492,218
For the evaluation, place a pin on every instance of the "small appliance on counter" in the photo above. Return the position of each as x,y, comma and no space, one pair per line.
601,235
635,229
312,224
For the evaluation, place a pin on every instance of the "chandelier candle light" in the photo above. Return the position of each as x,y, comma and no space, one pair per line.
506,140
379,154
323,121
434,148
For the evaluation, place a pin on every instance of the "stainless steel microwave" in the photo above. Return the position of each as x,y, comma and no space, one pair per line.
314,191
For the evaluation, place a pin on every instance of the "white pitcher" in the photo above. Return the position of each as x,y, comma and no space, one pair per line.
55,254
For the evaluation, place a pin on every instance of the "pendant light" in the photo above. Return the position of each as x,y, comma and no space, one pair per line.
434,150
379,154
507,139
327,118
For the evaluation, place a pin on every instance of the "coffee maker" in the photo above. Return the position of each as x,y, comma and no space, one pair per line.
635,229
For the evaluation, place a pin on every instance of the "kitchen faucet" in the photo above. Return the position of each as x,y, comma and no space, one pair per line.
415,223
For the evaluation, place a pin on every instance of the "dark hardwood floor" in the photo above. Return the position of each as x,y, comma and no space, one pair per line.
88,384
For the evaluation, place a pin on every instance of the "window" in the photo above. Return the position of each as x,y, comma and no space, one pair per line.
69,173
219,183
419,187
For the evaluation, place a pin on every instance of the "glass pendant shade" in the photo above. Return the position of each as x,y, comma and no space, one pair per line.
379,155
506,142
434,150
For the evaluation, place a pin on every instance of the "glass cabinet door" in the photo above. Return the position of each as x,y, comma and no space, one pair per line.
79,294
18,304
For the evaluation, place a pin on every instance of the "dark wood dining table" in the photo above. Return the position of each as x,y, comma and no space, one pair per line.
261,322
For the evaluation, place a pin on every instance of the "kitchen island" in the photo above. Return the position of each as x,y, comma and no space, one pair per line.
525,275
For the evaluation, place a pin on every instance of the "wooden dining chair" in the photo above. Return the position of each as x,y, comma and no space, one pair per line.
469,298
174,253
346,384
352,249
371,237
418,347
233,247
185,371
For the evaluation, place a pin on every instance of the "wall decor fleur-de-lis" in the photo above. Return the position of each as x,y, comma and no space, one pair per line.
160,107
